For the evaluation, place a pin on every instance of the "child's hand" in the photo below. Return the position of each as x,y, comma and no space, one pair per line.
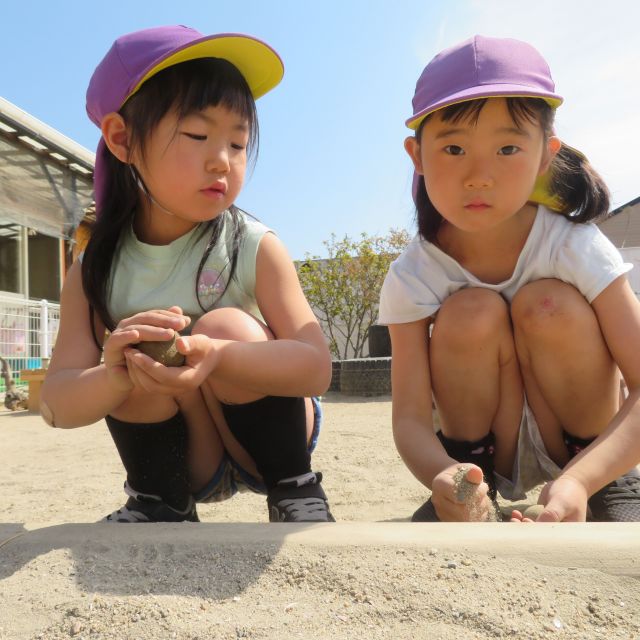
564,500
451,505
201,355
147,325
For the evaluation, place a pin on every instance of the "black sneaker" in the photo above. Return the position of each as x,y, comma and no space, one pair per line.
143,507
300,499
426,513
619,501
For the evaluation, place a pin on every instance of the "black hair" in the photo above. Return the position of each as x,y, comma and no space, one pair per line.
186,88
580,189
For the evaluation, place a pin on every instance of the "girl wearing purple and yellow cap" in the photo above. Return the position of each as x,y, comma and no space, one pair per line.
510,309
171,252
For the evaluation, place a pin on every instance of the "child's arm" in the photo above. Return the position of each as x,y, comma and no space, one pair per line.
296,363
412,419
617,449
78,390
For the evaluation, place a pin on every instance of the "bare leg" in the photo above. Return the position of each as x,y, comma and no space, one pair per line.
141,406
571,380
227,324
475,374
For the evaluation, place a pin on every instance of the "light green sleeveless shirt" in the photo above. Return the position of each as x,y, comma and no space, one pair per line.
145,276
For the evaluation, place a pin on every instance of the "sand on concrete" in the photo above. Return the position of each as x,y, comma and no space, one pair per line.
65,575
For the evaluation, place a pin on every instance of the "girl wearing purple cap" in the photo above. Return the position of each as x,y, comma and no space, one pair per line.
172,253
510,309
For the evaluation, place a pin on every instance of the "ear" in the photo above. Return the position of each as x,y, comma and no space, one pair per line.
116,137
553,146
412,147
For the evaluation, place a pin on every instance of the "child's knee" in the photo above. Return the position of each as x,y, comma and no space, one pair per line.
471,315
550,308
231,323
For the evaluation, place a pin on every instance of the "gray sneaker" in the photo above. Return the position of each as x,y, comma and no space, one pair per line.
299,499
619,501
144,507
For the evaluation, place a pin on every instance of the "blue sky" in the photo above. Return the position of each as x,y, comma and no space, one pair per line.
331,156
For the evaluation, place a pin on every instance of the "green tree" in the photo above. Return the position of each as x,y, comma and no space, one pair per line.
344,288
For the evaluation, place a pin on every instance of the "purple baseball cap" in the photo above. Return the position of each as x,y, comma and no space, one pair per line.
482,68
136,57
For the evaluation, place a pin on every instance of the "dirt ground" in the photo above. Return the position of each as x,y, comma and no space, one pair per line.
371,575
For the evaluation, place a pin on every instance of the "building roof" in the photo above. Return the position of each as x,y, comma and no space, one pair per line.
622,226
46,179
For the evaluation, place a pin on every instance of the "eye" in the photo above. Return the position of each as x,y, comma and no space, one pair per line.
237,147
454,150
194,136
508,150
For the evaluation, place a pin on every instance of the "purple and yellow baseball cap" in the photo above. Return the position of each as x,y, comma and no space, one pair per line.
138,56
484,67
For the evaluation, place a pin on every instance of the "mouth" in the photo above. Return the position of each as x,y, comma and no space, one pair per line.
216,190
477,205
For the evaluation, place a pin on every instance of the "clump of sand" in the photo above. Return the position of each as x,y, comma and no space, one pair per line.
465,491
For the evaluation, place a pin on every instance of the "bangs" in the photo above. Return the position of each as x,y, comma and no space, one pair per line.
521,110
191,87
211,82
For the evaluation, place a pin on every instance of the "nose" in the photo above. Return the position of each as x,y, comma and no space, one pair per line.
478,177
218,160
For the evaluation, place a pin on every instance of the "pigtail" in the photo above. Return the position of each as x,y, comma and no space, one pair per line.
116,215
580,188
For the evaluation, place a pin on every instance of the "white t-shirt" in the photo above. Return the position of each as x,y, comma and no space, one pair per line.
423,276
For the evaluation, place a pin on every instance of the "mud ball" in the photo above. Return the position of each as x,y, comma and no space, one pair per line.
163,351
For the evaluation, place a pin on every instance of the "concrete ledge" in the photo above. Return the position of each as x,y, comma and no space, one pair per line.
610,547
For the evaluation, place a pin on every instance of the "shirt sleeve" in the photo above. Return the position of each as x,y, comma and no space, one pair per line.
404,296
589,261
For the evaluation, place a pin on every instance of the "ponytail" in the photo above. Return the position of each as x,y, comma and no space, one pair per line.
580,189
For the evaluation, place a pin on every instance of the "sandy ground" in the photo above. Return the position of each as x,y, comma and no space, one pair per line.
371,575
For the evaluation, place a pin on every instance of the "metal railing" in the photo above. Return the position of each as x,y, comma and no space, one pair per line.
28,330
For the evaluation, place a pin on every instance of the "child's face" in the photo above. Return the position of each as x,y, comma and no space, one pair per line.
479,174
195,167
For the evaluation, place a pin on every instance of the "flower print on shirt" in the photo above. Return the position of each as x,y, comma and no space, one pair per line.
211,286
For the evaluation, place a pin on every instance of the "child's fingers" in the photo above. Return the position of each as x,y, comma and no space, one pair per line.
143,333
156,378
474,475
194,345
551,514
142,373
178,310
157,318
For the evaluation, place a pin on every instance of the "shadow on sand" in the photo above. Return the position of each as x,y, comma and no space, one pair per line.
216,560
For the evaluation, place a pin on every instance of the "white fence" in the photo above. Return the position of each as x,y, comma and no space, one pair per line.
28,330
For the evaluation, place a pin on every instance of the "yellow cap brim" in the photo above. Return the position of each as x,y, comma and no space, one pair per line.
260,65
542,194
